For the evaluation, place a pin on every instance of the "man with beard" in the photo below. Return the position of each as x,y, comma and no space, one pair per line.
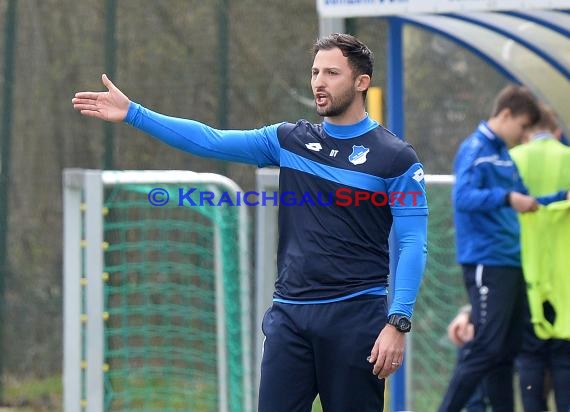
329,330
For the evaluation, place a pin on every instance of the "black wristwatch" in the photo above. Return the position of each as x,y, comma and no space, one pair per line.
400,322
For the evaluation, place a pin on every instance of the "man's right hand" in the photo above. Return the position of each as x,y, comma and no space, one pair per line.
111,105
522,203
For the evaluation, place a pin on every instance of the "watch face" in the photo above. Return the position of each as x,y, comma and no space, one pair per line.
401,323
404,324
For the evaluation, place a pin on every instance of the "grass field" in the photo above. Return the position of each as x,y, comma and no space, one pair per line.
45,395
32,395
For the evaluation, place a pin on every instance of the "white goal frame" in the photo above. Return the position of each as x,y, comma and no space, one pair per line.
83,197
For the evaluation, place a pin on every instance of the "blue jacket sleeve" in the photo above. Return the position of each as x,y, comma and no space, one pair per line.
411,235
258,146
555,197
470,192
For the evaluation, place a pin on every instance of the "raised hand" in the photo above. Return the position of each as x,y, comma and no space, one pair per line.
111,105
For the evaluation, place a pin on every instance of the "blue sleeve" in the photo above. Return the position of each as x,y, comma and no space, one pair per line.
408,203
555,197
469,191
411,235
407,193
258,146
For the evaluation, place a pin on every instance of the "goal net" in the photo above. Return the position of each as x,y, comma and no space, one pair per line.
156,293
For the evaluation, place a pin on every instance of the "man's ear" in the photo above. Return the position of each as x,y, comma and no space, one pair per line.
505,113
363,82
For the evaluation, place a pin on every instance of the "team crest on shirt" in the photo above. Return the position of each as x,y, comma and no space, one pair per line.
358,155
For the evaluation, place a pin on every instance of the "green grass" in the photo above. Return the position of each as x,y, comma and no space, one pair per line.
317,406
45,395
32,395
136,392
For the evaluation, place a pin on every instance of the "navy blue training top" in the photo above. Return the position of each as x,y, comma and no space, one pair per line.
329,247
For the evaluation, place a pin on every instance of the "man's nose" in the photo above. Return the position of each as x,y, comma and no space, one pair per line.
318,80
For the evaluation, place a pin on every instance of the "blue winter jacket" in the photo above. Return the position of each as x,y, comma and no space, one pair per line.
486,227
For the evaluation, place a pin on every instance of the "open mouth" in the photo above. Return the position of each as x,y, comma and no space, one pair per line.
321,99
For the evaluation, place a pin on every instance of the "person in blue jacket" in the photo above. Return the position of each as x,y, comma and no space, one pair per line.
329,330
487,194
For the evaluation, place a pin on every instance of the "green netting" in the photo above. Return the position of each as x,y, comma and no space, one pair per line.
161,335
432,356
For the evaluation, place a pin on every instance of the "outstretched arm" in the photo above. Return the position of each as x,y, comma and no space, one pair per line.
257,146
111,105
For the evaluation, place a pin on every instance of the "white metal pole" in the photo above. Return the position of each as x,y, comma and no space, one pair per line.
72,290
94,271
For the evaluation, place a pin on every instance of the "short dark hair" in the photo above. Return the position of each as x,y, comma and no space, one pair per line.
519,100
360,57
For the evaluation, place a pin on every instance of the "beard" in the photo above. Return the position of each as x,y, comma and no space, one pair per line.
338,105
